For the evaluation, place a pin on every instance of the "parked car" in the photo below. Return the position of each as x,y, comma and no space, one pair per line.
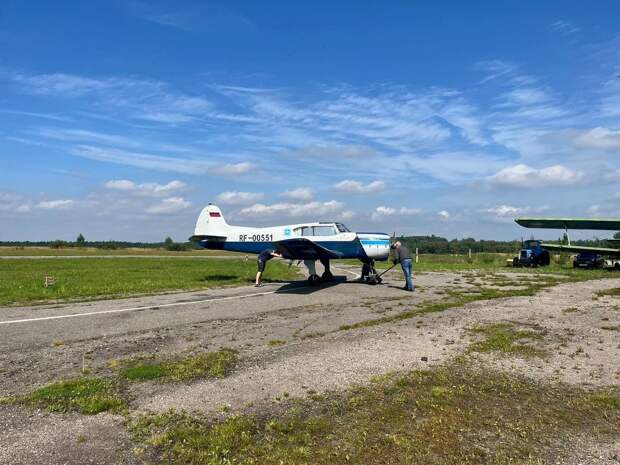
588,260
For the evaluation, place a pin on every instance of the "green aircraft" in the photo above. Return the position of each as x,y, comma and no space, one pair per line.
576,223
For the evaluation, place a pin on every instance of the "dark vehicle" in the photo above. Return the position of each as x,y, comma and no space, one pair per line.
532,254
588,260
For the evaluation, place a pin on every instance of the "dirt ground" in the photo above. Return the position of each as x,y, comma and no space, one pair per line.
289,345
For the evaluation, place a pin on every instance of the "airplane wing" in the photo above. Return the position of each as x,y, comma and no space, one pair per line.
570,223
578,249
304,249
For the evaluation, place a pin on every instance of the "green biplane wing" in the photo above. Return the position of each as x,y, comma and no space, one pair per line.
578,249
570,223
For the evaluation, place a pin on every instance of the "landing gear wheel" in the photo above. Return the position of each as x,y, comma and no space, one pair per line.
314,280
327,276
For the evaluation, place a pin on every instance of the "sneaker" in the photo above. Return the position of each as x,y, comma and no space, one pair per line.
259,285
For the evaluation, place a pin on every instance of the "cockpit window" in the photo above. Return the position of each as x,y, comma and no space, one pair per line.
342,228
324,231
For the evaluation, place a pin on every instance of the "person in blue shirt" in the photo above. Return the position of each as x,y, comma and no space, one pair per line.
261,261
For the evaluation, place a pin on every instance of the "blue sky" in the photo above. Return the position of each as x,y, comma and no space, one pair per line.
122,119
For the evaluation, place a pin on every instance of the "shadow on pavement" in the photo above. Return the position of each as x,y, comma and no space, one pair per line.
303,288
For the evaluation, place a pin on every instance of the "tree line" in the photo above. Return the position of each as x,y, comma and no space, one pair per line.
425,244
440,245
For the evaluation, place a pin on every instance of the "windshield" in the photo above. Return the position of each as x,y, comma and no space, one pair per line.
342,228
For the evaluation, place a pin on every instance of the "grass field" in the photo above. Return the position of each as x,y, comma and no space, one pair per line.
449,415
92,251
21,281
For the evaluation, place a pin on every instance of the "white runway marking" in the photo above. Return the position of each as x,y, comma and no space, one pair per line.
134,309
357,276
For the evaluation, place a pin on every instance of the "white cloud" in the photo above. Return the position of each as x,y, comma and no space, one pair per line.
523,176
232,169
526,96
293,210
598,138
301,193
56,205
169,205
443,214
383,211
13,203
506,210
147,189
238,198
356,187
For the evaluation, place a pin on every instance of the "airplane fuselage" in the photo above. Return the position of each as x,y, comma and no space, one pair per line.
212,232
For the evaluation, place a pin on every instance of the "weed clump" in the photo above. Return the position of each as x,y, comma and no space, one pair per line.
85,395
504,338
210,365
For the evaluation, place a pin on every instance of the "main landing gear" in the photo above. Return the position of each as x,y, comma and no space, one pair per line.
313,278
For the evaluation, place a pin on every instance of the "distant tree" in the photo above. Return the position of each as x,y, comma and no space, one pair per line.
58,244
172,246
80,241
565,239
617,235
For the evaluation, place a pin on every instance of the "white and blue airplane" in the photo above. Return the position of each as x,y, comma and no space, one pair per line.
309,242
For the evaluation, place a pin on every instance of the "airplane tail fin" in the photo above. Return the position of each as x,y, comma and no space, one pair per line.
211,223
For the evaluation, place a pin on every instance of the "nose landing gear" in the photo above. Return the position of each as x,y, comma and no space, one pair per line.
369,273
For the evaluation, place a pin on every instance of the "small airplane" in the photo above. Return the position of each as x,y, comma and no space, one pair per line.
309,242
576,223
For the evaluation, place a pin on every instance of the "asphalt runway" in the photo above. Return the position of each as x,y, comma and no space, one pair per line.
29,327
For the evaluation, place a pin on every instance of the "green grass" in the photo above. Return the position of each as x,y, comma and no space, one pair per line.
504,338
614,292
85,395
209,365
452,415
21,281
93,251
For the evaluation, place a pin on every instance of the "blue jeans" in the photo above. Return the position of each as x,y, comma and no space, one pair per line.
407,266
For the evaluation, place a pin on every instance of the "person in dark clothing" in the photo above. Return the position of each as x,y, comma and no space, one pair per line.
403,256
262,259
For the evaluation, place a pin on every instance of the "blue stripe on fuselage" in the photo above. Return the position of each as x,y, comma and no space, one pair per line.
375,242
347,249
